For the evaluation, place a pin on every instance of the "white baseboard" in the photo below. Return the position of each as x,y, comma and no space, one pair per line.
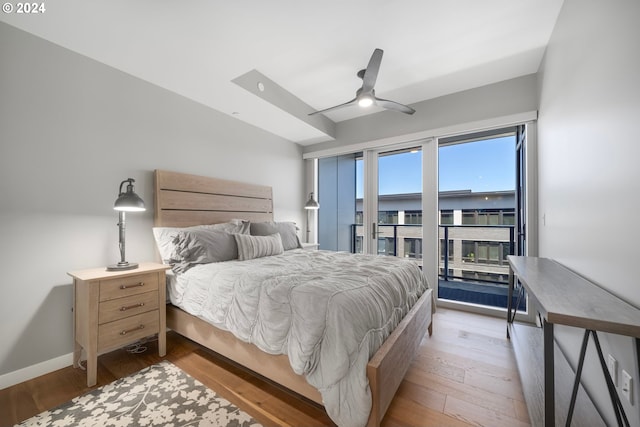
24,374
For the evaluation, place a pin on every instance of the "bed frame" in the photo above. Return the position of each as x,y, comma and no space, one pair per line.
183,200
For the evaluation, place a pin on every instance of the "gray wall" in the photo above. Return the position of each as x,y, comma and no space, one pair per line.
70,130
589,179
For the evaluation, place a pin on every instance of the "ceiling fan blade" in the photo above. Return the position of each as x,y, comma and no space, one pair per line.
392,105
353,101
371,72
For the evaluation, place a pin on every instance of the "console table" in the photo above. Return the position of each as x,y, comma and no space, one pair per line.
562,297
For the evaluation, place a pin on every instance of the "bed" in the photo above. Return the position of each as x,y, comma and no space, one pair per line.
184,200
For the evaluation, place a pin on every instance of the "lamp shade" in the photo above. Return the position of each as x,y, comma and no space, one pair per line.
128,200
311,203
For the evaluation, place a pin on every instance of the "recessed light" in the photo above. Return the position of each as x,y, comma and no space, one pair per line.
260,87
235,113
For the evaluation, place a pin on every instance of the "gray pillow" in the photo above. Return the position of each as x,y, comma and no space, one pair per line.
287,231
250,247
202,246
164,236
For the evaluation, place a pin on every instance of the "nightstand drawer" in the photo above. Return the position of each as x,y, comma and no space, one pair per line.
125,286
128,306
125,331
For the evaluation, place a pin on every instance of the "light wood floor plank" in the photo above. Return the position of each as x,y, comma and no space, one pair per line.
479,416
464,375
405,412
471,394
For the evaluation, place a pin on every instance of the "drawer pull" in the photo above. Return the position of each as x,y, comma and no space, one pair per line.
125,332
129,307
137,285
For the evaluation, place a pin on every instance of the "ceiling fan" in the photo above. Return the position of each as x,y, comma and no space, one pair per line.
366,95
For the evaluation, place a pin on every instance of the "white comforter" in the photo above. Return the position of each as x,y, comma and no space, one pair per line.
328,311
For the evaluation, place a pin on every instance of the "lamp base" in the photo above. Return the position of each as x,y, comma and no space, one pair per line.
122,266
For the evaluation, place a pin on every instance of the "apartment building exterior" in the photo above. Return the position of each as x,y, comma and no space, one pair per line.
476,231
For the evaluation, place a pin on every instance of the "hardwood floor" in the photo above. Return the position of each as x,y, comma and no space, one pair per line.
464,375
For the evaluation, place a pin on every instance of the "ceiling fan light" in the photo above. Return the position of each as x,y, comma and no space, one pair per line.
366,95
365,101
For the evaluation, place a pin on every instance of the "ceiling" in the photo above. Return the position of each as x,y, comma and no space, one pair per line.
307,52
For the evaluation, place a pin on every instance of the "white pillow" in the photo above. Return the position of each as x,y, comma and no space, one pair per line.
250,247
164,235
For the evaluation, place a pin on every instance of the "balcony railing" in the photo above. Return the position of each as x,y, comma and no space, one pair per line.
473,265
474,252
477,252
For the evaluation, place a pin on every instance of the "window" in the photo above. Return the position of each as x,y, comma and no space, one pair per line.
413,248
387,217
477,202
508,218
387,246
492,253
469,251
468,217
358,245
488,217
413,217
448,248
446,217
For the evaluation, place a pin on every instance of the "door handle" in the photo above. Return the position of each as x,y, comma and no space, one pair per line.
374,233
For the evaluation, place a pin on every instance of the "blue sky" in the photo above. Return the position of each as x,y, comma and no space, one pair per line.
487,165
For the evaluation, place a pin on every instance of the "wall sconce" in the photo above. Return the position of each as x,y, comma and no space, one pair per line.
127,201
309,206
311,203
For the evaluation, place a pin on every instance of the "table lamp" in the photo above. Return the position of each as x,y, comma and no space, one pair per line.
127,201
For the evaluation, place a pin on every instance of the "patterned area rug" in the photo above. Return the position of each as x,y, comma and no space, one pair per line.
160,395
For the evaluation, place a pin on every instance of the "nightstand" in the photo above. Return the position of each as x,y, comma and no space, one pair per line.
116,308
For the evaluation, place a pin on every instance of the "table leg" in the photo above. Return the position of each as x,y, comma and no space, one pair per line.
92,367
77,352
162,343
576,383
509,299
549,376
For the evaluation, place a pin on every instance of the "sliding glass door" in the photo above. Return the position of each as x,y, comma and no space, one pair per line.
372,202
396,220
479,190
457,206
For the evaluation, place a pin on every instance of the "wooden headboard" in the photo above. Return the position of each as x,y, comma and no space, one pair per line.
183,200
